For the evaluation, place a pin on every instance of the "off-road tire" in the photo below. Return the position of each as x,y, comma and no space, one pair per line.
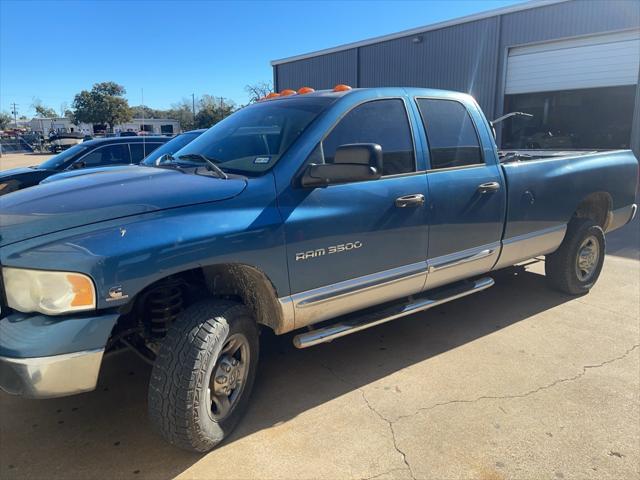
560,266
179,383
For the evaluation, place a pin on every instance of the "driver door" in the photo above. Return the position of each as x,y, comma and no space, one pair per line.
347,243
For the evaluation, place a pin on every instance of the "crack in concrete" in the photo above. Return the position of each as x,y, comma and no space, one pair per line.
381,417
522,395
390,423
378,475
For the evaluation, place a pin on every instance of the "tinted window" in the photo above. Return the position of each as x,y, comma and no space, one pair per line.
383,122
450,132
107,155
141,150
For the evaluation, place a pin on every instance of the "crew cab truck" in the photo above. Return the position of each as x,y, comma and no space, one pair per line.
332,210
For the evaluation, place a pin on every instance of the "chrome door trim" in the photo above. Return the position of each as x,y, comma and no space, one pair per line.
354,294
458,258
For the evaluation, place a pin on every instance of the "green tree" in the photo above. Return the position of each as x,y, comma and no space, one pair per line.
5,120
104,104
213,109
142,111
183,113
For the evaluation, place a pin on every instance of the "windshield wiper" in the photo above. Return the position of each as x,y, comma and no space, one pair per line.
211,164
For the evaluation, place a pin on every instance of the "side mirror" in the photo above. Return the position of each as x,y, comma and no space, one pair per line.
355,162
78,165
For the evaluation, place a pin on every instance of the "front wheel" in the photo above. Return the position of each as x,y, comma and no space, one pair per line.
575,267
203,375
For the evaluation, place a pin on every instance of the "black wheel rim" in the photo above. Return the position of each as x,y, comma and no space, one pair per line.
229,376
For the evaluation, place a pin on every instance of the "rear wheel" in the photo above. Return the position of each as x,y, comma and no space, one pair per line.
575,267
204,373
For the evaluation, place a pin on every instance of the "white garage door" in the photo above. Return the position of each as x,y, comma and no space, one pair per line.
598,61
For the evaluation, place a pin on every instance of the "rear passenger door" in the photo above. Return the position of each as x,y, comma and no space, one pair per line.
467,195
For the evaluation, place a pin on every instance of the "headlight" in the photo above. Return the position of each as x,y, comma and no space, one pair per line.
48,292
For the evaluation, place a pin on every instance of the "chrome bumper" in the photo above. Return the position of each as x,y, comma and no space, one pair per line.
48,377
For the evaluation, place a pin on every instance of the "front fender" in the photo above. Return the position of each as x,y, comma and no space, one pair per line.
132,253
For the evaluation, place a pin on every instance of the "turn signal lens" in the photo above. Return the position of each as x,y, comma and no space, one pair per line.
82,289
287,92
304,90
341,88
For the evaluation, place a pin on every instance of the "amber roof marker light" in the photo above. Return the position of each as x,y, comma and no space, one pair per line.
341,88
287,92
303,90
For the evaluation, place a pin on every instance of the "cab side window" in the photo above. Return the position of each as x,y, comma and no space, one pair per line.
452,138
107,155
384,122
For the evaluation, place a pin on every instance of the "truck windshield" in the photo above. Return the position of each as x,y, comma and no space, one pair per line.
252,140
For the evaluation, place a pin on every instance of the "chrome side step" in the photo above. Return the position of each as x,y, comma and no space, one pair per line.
355,323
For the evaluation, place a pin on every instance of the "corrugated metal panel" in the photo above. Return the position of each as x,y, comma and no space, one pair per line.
461,57
598,61
319,72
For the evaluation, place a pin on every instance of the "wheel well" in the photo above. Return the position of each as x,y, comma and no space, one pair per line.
150,313
597,207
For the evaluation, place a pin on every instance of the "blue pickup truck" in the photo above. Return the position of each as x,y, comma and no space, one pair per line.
326,212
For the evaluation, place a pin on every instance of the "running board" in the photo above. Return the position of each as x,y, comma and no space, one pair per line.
362,321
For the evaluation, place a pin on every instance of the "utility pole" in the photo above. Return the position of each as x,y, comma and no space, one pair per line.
15,114
193,108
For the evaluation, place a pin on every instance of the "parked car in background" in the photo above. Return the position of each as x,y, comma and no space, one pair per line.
92,153
172,146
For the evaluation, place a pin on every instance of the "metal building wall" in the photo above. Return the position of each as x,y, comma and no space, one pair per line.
468,57
320,72
425,60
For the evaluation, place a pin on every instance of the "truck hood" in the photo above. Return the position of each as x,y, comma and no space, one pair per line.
82,171
105,195
15,172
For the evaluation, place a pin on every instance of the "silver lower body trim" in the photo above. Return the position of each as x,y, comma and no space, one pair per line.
460,265
621,216
523,247
355,294
49,377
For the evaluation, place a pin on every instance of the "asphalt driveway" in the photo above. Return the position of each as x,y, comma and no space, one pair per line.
515,382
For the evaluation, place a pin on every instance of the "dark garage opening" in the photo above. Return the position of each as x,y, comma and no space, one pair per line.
592,118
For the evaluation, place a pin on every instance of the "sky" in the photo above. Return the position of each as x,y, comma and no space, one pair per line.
162,51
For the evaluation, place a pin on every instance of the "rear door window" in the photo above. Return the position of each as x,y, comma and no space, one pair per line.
452,137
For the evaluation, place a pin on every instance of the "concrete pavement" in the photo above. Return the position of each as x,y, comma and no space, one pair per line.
15,160
516,382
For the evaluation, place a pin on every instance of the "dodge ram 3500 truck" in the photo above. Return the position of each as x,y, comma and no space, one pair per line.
326,212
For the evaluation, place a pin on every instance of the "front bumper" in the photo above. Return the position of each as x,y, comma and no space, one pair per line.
49,377
43,356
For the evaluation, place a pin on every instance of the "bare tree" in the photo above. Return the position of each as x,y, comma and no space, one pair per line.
256,91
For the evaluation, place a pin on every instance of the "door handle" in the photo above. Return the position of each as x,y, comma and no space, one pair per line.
488,187
414,200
